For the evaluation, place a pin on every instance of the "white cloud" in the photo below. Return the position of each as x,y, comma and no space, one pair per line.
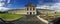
4,9
2,4
44,7
55,6
8,1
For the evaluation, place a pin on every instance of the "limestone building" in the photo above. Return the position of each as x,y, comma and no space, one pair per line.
30,9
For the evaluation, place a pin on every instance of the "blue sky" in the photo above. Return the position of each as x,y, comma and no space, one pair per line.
40,3
22,3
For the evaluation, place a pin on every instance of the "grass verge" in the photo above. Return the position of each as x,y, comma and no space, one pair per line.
11,16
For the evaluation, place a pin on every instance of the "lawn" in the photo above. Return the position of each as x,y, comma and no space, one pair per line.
11,16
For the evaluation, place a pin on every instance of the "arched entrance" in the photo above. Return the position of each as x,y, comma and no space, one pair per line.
30,13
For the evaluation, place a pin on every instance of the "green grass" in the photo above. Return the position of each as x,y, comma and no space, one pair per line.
57,12
11,16
50,14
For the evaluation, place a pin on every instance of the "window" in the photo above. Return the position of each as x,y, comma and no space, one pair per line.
30,13
30,8
33,8
33,12
27,8
27,12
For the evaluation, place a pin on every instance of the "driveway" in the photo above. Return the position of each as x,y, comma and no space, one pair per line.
28,20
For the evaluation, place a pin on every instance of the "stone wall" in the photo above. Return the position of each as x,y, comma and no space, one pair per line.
22,11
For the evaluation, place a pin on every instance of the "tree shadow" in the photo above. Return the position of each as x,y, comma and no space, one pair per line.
55,21
2,21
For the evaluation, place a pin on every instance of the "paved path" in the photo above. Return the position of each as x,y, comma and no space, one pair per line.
28,20
41,19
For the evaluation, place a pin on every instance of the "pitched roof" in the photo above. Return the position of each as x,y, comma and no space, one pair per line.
45,9
30,5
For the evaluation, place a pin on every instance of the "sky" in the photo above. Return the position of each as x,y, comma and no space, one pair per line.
21,3
49,4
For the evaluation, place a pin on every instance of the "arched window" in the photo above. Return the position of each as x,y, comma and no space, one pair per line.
27,8
30,8
33,12
27,12
33,8
30,13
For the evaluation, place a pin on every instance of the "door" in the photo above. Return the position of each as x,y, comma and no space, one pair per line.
30,13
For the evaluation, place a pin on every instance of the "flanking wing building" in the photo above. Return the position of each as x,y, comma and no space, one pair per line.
30,9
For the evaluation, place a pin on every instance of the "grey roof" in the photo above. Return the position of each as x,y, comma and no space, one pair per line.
45,9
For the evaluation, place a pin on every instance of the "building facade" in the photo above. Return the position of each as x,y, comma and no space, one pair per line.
30,9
